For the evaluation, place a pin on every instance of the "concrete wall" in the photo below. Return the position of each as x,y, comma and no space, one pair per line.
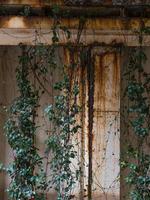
8,60
106,125
127,134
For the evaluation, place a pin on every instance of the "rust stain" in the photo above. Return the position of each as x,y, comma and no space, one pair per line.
85,121
116,78
100,94
90,76
107,67
66,56
105,94
102,81
82,138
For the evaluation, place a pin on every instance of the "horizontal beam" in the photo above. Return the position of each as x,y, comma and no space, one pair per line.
107,24
16,29
74,11
73,2
88,37
64,11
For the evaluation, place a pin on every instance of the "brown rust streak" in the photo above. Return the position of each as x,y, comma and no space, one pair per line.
90,75
102,81
101,90
83,105
116,79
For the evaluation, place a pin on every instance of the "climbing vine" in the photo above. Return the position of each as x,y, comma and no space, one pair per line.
137,92
20,128
63,114
29,180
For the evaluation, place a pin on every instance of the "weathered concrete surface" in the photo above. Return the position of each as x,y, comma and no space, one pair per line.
8,59
106,125
15,30
127,135
105,141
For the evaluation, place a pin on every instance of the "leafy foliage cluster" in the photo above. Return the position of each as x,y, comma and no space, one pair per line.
29,179
137,92
26,169
63,116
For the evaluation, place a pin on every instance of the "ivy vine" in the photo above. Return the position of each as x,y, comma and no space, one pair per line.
137,91
29,180
63,114
26,182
